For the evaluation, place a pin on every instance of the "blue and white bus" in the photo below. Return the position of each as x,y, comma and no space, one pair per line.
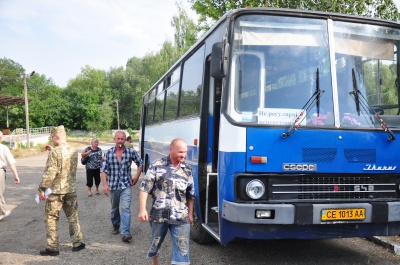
292,124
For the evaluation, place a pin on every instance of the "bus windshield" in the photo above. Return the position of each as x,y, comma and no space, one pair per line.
279,64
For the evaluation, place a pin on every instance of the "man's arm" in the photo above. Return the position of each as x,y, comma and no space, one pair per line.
142,206
136,177
190,203
15,173
139,163
106,188
49,175
50,172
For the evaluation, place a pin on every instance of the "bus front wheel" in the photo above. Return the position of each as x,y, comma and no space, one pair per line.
198,233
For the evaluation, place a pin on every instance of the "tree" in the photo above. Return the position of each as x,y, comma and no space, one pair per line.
125,86
45,103
46,106
214,9
89,97
185,30
11,78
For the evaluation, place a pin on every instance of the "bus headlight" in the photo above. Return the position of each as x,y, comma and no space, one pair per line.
255,189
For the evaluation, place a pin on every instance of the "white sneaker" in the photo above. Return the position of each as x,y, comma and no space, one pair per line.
5,215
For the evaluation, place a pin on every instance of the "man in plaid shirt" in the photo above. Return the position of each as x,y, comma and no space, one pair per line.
117,181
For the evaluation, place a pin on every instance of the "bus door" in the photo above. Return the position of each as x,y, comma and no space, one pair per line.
206,228
142,132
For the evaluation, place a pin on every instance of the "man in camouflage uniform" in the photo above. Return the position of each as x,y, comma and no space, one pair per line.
60,176
170,182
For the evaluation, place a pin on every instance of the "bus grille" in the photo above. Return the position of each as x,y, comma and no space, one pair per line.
360,155
310,188
322,155
327,155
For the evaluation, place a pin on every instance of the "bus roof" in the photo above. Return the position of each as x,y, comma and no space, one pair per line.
280,12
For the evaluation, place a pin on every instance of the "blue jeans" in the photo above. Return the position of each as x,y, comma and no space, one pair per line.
180,241
123,220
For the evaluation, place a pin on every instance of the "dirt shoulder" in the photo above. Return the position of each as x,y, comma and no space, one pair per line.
22,234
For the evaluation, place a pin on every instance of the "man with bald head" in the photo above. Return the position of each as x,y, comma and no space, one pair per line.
60,176
170,182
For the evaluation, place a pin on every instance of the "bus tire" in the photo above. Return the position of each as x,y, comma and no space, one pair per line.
199,234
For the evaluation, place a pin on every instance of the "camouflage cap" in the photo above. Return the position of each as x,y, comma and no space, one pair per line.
56,129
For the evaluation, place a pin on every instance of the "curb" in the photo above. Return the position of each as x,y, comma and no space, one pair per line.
387,242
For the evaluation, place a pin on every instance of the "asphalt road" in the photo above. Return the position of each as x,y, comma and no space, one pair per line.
22,235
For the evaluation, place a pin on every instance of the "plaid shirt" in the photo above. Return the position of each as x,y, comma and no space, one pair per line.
119,174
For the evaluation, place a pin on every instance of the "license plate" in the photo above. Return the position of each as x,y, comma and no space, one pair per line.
343,214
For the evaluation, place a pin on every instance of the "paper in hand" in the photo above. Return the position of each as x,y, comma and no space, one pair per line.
47,192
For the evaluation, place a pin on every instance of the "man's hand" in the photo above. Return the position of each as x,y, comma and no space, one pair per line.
41,196
134,180
143,216
106,189
191,218
16,180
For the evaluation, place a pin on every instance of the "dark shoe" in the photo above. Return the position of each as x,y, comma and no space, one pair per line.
115,230
126,238
80,247
48,252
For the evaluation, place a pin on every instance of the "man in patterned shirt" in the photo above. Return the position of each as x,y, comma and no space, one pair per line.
170,182
60,176
117,181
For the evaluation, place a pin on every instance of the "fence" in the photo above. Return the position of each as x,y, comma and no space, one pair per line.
18,136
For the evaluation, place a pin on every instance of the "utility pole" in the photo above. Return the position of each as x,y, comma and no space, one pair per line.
116,101
28,143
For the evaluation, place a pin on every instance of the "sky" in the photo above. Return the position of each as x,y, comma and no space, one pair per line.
58,38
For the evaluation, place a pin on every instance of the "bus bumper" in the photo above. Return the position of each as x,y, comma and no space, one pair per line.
307,213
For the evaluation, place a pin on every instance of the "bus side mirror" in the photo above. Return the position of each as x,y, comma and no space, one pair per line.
218,60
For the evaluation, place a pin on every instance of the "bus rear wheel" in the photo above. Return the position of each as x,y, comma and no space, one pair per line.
199,234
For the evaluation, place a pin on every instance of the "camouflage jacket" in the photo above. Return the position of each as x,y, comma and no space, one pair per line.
60,171
170,188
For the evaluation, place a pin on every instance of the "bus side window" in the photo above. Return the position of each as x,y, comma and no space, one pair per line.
249,83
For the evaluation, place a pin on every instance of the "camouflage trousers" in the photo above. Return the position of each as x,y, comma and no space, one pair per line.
54,203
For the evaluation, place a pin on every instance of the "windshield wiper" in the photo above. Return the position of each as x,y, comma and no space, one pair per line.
355,92
313,100
357,95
